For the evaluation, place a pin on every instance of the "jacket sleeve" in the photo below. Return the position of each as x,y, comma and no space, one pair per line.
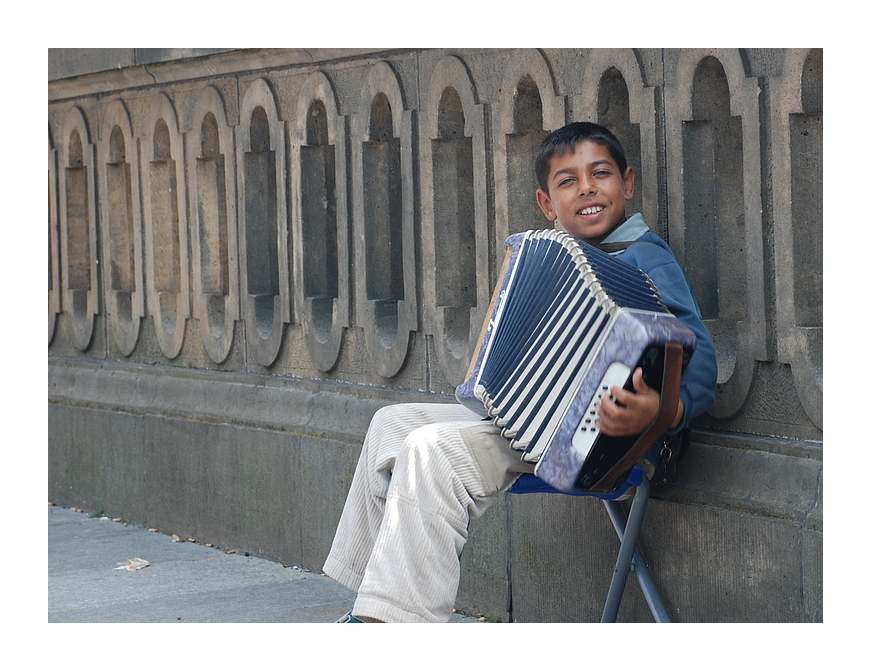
699,381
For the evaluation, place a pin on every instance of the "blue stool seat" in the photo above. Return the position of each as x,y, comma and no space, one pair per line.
628,530
529,484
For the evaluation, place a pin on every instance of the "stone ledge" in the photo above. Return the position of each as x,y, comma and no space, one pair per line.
215,65
804,449
753,474
316,408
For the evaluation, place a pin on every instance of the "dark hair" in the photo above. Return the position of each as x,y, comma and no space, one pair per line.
565,139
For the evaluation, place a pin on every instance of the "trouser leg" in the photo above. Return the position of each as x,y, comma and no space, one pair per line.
443,474
364,506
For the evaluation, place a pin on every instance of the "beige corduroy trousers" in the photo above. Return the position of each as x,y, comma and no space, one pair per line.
424,471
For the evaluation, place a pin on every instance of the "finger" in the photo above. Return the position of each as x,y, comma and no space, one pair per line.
638,381
604,424
605,409
621,397
609,414
611,420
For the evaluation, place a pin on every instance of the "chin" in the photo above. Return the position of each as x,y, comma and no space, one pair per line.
586,236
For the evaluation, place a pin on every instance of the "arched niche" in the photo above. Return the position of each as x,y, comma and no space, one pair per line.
615,96
214,242
454,221
78,228
121,222
383,196
527,109
164,205
320,220
797,148
263,241
715,210
54,289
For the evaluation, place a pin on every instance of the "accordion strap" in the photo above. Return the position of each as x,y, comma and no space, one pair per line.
668,404
611,247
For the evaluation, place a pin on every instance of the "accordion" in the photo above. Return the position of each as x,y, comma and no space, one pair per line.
566,323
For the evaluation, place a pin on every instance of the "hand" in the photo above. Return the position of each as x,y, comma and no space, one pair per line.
629,413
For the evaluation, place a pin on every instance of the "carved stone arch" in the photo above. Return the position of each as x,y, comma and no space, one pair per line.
213,224
383,195
121,223
54,289
320,220
797,184
715,210
602,66
164,207
263,241
454,220
514,147
78,228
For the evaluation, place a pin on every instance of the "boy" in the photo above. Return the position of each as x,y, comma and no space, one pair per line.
426,469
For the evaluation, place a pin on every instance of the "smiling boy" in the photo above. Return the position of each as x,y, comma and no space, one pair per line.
585,189
426,469
584,185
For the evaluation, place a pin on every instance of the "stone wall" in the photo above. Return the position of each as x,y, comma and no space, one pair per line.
250,251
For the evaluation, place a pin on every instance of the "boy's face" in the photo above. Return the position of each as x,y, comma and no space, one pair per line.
586,193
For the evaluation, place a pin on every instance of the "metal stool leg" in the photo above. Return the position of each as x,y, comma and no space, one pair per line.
629,558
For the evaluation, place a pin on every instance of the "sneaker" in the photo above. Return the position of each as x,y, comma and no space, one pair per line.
347,617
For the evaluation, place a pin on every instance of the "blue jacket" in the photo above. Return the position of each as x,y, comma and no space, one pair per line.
653,256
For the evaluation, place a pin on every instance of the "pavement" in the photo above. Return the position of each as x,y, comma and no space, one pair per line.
183,581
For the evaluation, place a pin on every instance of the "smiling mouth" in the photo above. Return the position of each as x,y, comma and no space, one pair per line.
592,210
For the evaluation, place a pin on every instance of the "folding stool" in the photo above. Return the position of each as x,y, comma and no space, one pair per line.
628,530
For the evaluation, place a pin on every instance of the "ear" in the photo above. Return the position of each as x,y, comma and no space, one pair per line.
629,183
546,206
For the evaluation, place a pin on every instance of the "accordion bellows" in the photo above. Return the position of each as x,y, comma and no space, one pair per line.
566,323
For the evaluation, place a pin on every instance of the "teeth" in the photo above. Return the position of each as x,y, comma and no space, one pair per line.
592,210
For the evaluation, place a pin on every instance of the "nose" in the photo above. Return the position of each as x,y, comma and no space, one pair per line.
586,186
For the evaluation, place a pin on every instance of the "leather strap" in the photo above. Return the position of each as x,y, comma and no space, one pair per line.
610,247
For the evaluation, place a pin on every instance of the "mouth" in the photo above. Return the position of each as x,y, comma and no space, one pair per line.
593,209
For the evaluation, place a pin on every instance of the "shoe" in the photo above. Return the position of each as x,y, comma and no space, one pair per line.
347,617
